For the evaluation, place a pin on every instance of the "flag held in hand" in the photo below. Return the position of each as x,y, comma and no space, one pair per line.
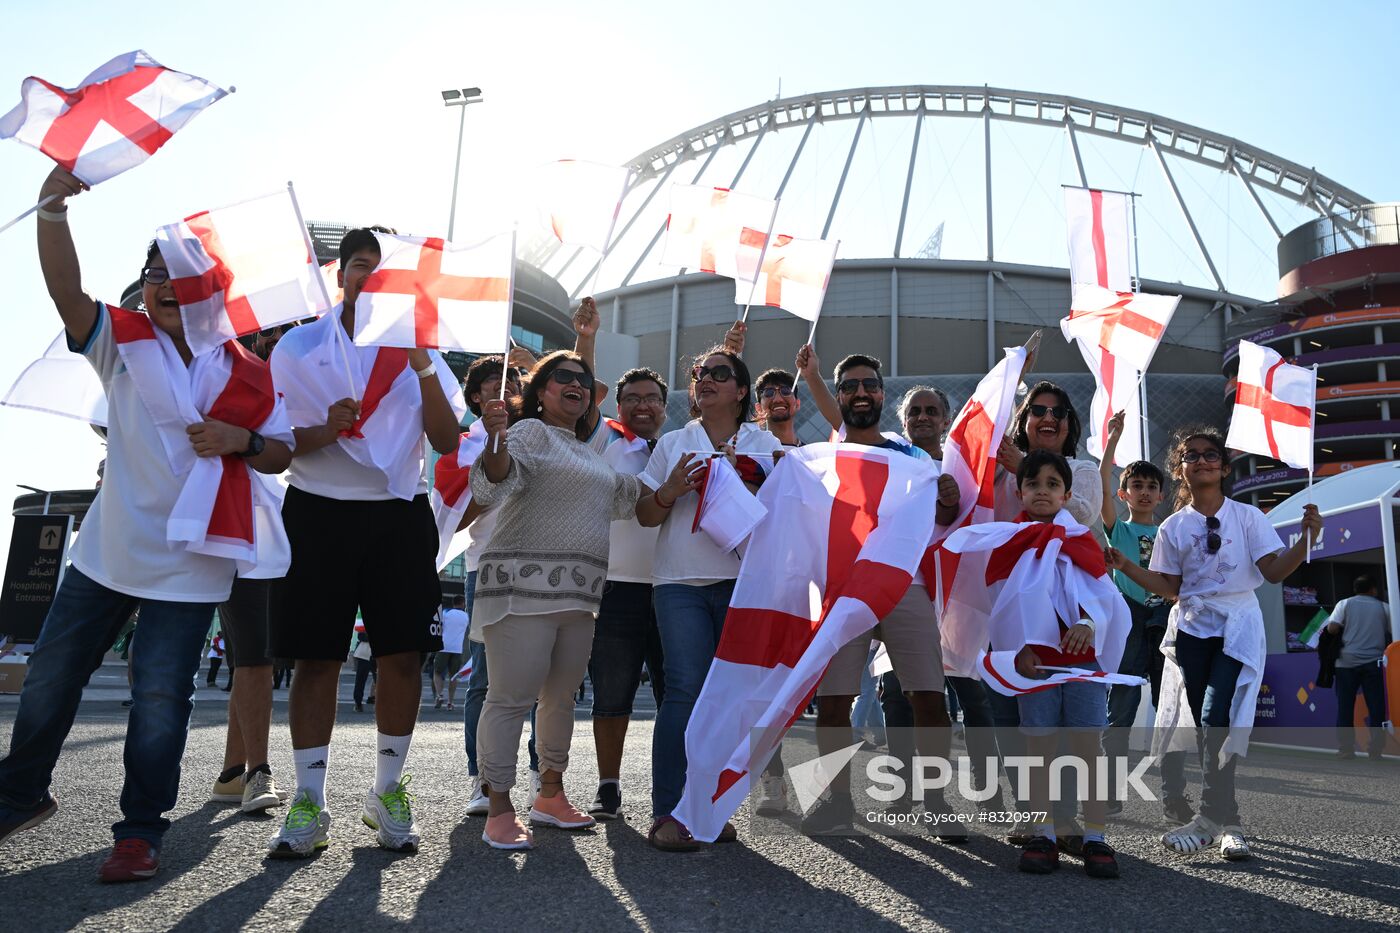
717,230
794,276
579,202
1274,406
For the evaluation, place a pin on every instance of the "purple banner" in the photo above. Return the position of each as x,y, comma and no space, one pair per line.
1342,533
1289,698
1246,483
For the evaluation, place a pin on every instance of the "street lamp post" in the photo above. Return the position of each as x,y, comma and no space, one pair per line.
458,98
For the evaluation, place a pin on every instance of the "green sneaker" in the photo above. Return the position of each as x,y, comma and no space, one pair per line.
390,815
305,830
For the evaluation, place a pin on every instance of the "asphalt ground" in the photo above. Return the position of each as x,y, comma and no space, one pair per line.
1319,864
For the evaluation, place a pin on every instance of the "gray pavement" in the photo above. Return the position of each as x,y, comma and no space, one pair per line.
1319,863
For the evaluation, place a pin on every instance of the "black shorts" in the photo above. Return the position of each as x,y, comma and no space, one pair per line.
378,557
244,620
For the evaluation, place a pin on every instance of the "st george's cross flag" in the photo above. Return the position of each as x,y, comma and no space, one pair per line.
998,670
717,230
727,512
970,457
794,276
240,269
1117,334
451,493
428,293
1100,249
114,120
465,670
1274,411
847,525
578,202
60,382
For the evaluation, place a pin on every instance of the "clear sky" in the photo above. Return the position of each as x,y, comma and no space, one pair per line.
343,99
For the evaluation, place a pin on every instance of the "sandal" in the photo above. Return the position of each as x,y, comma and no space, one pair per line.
728,834
1193,837
668,835
1233,845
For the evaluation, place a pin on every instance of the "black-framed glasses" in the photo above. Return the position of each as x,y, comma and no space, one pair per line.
155,275
1209,456
565,376
1060,412
720,373
1213,527
773,391
870,384
632,400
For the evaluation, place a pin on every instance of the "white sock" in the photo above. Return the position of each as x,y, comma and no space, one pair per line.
388,764
610,781
311,771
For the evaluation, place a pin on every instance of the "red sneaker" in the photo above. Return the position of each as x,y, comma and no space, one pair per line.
131,860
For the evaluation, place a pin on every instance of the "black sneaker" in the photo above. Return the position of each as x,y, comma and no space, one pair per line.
1071,844
1178,811
15,820
1039,857
607,805
943,822
1099,861
833,816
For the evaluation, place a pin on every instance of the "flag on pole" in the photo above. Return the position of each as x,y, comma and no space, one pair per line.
727,511
579,201
429,293
847,526
60,383
466,669
717,230
1099,248
1313,630
998,670
1274,405
114,120
794,276
970,457
451,494
1117,334
240,269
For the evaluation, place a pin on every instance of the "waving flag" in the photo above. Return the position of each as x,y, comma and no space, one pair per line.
429,293
717,230
579,201
794,276
466,669
115,120
1117,334
727,511
60,383
450,494
1099,248
998,670
1274,407
970,457
240,269
847,526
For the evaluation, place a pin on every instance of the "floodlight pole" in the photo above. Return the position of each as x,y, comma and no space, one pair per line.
458,98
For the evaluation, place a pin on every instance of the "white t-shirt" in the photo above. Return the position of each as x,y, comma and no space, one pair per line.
1182,549
631,548
122,544
454,630
683,556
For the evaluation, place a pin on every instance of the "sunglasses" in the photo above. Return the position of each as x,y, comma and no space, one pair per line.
933,411
155,275
1209,456
1213,530
565,376
869,384
1060,412
720,373
773,391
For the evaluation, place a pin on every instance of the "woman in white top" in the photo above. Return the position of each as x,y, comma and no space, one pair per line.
694,579
1046,420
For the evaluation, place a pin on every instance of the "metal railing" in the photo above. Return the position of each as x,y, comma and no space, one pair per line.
1368,225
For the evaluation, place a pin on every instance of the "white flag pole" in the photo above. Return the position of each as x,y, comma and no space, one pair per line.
753,286
1142,376
321,281
607,240
1312,455
28,212
510,316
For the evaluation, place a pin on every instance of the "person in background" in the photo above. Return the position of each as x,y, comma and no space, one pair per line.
777,405
449,660
1363,621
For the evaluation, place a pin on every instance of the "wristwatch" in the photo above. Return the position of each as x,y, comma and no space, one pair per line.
256,443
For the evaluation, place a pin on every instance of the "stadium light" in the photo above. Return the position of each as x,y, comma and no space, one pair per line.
453,97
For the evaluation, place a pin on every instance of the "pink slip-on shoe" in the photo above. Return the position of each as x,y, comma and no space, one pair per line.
558,812
505,831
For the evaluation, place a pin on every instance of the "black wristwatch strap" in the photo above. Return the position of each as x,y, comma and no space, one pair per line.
255,444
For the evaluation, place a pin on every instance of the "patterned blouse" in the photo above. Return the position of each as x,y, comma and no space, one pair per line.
549,552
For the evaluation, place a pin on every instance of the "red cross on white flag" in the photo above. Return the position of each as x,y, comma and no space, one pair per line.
794,277
717,230
432,294
241,269
579,201
116,119
1099,251
1274,407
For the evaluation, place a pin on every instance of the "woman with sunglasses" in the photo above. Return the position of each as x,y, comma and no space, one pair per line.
694,579
1211,554
540,582
1046,420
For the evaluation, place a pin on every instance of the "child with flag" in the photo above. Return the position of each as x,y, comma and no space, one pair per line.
172,523
1211,554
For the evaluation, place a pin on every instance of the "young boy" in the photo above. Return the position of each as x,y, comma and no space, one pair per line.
1055,607
1141,488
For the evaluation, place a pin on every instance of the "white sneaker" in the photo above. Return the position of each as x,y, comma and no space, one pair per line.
1193,837
259,793
772,796
390,815
1233,845
306,829
534,789
478,804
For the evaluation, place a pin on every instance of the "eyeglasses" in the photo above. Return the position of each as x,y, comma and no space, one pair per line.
1209,456
1213,529
720,373
1060,412
155,275
632,401
870,384
771,391
566,376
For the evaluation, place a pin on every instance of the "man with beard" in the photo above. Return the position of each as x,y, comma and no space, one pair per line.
909,631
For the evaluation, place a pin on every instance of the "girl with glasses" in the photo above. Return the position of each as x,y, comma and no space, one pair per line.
1211,554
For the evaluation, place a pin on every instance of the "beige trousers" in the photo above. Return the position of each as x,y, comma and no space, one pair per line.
529,657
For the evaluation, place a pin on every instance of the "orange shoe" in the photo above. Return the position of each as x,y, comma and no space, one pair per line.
505,831
558,812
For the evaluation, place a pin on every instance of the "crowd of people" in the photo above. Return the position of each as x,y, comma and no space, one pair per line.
583,561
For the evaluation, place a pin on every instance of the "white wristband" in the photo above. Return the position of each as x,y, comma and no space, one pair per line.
426,372
55,217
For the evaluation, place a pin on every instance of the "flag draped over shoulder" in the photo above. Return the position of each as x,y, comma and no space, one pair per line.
847,526
60,382
114,120
1274,407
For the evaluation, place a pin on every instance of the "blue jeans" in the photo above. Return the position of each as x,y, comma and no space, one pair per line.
1210,675
1081,705
690,619
1371,682
81,625
477,682
867,711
